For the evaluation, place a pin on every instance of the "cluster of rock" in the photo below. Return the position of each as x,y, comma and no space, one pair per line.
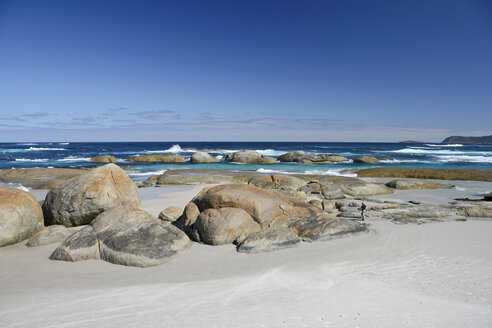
438,174
257,219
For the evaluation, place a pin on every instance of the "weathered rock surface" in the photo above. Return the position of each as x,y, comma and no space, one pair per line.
300,156
49,235
104,159
172,177
124,236
488,197
439,174
277,181
366,160
269,239
171,213
80,246
268,208
80,200
225,226
477,211
20,216
39,178
362,188
331,191
157,158
412,184
324,226
203,157
250,157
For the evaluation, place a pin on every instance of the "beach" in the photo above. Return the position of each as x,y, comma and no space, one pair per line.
432,275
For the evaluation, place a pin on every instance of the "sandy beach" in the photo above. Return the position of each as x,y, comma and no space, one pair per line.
429,275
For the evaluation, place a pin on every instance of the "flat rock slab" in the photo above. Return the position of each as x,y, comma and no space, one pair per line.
269,240
439,174
415,184
325,226
124,236
39,178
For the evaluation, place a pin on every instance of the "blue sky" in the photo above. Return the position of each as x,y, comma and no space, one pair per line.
244,70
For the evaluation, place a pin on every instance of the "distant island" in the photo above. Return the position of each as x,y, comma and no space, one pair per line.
468,140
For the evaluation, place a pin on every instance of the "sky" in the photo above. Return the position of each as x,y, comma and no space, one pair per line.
250,70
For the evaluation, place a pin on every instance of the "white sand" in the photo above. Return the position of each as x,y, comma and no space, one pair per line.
431,275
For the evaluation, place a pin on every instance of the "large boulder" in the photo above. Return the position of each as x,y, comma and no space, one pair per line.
157,158
269,239
20,216
124,236
80,200
366,160
331,191
300,156
415,184
277,181
104,159
225,226
358,188
324,226
249,157
268,208
203,157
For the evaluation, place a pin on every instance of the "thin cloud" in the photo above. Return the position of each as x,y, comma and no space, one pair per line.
37,114
16,119
159,115
206,116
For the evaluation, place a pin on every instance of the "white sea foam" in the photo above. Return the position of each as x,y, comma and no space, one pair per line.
15,185
425,151
74,159
465,158
41,148
460,188
31,160
270,152
313,172
446,145
174,149
262,170
64,143
149,173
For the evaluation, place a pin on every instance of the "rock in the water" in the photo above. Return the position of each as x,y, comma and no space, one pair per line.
171,214
225,226
413,184
49,235
300,156
277,181
157,158
80,200
20,216
269,239
487,197
250,157
325,226
145,184
80,246
104,159
124,236
203,157
366,160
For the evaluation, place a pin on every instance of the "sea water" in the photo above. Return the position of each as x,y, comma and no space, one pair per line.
79,154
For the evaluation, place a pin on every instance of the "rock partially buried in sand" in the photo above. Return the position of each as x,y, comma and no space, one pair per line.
104,159
269,239
413,184
20,216
203,157
325,226
300,156
250,157
49,235
80,200
125,236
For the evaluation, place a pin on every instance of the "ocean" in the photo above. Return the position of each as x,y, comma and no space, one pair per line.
78,154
